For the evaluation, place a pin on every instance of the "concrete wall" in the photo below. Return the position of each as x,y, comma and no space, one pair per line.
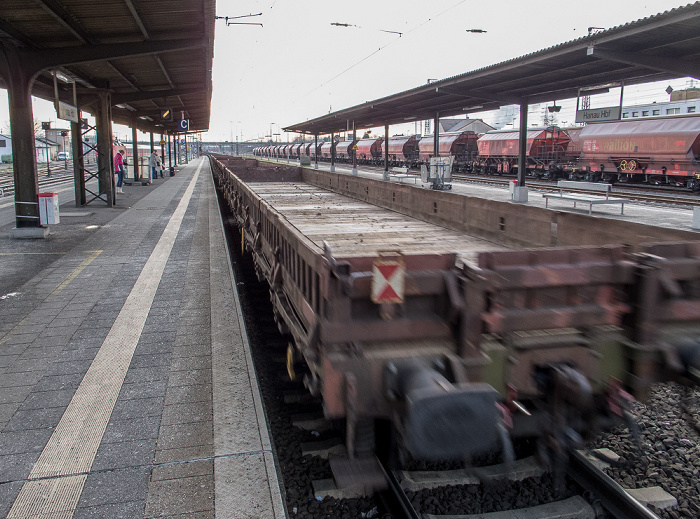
502,222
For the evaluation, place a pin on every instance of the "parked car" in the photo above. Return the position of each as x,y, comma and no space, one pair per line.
62,155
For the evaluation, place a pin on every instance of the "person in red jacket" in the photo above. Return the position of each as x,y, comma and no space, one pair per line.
119,169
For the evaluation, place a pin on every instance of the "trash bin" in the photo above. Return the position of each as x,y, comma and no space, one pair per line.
511,187
172,171
48,209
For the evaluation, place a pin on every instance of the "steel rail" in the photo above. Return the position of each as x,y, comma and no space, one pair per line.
395,499
612,496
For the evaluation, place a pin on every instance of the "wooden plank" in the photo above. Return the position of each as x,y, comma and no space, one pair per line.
355,229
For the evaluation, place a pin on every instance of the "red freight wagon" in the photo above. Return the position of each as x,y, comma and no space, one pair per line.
344,149
294,151
369,150
654,150
403,150
545,147
325,149
463,145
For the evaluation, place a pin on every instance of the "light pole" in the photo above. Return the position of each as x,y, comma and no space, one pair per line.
46,127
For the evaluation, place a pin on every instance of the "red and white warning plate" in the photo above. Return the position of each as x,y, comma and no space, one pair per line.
388,274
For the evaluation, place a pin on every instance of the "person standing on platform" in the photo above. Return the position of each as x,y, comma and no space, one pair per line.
119,169
154,164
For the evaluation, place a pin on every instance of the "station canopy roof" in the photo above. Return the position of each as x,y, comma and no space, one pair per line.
147,54
661,47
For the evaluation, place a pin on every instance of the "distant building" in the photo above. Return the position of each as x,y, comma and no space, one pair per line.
5,148
44,148
682,102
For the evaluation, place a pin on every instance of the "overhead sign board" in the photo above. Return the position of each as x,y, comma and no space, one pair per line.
183,125
596,115
166,114
67,112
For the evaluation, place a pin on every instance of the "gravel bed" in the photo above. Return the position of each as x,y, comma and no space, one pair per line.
269,350
494,496
670,448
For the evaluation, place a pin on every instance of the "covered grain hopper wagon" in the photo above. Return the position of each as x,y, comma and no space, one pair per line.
655,150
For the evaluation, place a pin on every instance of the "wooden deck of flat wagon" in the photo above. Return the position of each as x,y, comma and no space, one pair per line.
353,228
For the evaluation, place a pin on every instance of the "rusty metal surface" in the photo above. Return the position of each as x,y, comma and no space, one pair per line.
541,142
369,149
403,148
461,145
673,143
344,149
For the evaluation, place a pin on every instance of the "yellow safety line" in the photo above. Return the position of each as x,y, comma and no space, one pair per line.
77,271
64,284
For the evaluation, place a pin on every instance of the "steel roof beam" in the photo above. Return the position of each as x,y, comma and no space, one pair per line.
137,18
67,20
147,95
165,72
48,58
18,36
661,63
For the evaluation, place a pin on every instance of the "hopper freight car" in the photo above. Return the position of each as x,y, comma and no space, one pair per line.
654,150
460,145
403,150
369,151
344,150
545,149
454,341
659,151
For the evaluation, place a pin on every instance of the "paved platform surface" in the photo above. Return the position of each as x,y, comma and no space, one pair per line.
126,388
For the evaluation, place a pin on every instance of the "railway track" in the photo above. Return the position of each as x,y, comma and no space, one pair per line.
7,185
640,194
522,489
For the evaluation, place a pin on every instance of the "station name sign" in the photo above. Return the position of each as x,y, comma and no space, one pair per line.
596,115
67,112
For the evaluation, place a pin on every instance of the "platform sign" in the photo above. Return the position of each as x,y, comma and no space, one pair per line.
388,275
166,114
597,115
183,125
67,112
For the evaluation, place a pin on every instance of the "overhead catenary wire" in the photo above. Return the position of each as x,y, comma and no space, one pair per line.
384,46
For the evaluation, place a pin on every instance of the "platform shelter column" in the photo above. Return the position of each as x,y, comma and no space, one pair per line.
386,152
170,152
315,150
135,150
332,168
520,193
19,80
354,150
105,164
78,159
436,135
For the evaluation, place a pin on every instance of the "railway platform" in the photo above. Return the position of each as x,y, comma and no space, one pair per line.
673,217
126,387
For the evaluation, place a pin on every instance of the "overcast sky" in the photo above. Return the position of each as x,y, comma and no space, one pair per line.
299,66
